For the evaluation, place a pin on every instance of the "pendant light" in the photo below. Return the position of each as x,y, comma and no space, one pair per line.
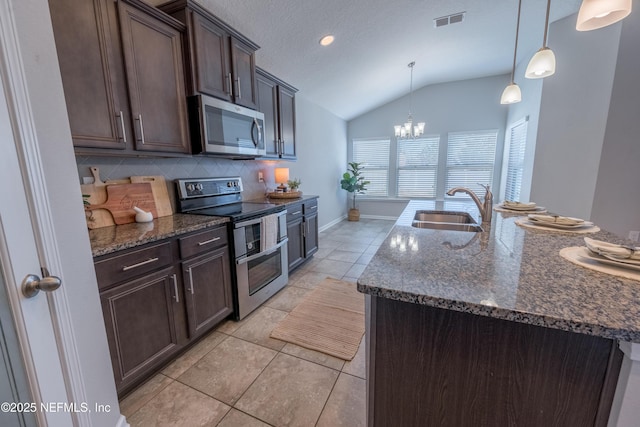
407,130
596,14
543,63
511,93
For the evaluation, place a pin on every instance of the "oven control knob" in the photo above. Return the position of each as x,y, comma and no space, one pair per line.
199,187
250,245
190,187
229,184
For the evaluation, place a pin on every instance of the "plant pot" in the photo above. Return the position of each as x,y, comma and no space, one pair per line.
354,215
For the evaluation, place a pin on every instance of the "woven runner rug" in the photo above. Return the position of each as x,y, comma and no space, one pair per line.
330,319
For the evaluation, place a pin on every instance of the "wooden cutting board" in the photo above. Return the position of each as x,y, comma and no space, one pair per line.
160,193
122,198
97,193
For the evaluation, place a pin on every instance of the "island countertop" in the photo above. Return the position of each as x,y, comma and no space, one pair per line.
506,272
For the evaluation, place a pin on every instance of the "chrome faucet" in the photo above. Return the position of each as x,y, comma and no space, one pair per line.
485,208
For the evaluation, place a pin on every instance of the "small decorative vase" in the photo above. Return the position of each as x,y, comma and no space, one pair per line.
354,215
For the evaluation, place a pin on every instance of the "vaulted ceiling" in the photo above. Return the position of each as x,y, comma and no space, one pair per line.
366,66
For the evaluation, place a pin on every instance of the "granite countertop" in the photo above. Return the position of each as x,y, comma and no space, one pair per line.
506,272
107,240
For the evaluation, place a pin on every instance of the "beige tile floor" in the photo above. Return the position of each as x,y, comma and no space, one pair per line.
238,376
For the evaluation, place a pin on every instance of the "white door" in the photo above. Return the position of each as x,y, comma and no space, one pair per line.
19,257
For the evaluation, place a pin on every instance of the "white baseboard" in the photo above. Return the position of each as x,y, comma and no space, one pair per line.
390,218
332,223
122,422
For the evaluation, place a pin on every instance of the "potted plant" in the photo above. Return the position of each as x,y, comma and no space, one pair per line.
354,183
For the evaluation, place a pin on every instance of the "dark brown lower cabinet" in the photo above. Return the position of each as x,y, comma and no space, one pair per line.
207,282
140,319
434,367
302,231
152,310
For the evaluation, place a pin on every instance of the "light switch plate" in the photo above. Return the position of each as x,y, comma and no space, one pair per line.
260,177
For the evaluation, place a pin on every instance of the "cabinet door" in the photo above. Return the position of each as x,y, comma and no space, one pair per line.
310,235
286,107
268,105
295,246
155,76
140,323
88,47
212,60
207,281
244,74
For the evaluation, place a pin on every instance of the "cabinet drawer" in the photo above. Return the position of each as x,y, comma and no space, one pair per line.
311,207
294,212
202,242
132,264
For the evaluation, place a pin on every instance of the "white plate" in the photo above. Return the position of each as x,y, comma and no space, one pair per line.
629,261
534,209
588,255
552,219
585,224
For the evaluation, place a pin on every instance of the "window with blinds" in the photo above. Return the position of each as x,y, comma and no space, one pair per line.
374,156
417,167
515,164
470,160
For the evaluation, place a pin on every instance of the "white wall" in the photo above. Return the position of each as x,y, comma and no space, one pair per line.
573,115
616,204
447,107
322,155
52,131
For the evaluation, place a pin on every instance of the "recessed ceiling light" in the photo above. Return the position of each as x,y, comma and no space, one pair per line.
327,40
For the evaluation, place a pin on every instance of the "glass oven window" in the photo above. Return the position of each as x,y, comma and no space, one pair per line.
264,270
252,238
229,129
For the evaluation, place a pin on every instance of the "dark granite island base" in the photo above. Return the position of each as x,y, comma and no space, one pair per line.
436,367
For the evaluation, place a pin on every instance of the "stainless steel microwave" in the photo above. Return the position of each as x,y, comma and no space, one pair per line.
225,129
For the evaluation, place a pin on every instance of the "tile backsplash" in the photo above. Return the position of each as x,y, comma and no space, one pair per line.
188,167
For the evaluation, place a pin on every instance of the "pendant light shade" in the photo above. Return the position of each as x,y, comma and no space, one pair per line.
596,14
408,130
511,94
543,63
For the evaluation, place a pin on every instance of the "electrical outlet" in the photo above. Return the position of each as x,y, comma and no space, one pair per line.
260,177
634,235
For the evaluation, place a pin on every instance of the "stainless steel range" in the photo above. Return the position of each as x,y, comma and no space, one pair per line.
259,231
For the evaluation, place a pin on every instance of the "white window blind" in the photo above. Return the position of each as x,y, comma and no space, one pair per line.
417,167
470,160
515,165
374,156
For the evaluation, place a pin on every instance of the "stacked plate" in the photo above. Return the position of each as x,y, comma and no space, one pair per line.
520,206
612,254
559,222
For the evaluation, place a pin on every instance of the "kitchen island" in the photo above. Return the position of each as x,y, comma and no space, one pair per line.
493,328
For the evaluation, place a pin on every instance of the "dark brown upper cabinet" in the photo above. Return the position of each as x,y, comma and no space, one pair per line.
221,61
123,78
276,100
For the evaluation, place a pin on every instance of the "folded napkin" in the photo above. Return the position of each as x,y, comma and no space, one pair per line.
611,250
555,219
518,205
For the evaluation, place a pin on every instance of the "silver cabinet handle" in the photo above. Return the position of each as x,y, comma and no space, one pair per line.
140,264
296,212
281,147
141,128
190,281
313,207
229,85
304,229
206,242
238,89
175,287
124,134
33,284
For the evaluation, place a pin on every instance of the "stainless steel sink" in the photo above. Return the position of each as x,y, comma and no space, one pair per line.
442,220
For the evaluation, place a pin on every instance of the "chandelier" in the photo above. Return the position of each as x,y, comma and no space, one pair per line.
408,130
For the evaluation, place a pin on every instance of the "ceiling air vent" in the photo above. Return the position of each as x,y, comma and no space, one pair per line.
449,19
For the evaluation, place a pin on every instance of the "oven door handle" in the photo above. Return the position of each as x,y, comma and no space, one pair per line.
261,254
256,220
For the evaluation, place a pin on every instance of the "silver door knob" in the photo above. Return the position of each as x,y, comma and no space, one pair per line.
33,284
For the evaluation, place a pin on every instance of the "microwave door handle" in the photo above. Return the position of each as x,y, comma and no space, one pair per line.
255,124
